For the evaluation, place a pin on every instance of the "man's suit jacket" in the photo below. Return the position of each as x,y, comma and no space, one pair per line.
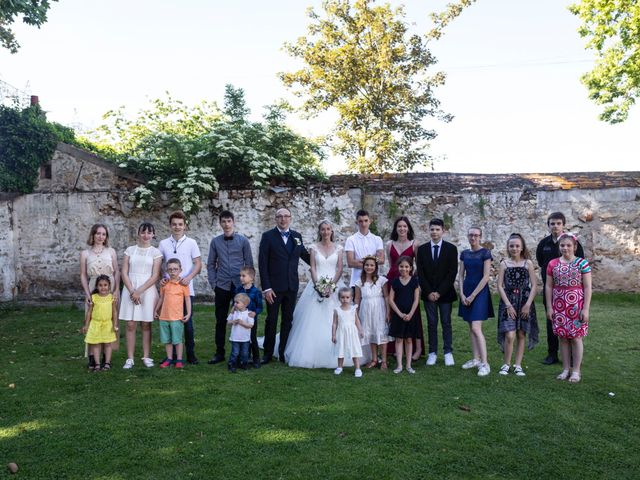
438,276
277,263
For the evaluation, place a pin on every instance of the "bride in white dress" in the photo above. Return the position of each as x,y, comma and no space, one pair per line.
309,344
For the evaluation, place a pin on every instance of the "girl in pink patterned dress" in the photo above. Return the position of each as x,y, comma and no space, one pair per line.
568,297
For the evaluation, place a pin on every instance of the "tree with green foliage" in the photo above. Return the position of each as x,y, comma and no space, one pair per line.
33,12
444,18
26,141
612,30
189,150
360,59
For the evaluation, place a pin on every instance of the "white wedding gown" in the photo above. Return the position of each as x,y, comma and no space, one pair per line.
309,344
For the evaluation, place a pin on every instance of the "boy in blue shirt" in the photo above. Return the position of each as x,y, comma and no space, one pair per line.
247,277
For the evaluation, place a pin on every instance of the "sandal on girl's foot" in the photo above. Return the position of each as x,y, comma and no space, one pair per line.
563,375
372,364
106,366
575,377
397,370
95,368
383,366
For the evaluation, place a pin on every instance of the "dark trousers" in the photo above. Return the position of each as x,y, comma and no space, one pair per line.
189,336
285,301
255,351
432,309
552,340
239,351
222,302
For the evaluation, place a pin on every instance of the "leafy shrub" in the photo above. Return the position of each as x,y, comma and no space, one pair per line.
26,140
189,150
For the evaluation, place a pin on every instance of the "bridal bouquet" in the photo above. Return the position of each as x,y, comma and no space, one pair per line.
325,287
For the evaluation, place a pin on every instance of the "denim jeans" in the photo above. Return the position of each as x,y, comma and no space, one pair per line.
239,349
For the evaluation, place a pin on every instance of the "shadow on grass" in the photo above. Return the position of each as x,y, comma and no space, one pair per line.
280,422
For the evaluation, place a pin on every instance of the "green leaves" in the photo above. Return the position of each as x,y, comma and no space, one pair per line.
360,60
612,30
26,141
189,150
33,12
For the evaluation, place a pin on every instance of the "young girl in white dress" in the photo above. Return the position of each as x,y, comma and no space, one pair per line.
371,296
346,332
140,272
309,344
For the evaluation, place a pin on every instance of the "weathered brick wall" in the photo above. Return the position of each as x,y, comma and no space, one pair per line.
42,234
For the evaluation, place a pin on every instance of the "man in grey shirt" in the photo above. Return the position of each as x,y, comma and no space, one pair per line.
228,253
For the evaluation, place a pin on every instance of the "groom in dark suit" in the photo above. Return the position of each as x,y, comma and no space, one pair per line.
280,251
437,265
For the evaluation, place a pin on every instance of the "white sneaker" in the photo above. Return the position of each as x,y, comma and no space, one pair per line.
148,362
431,359
397,370
411,370
484,370
448,360
470,364
358,373
338,371
518,371
128,364
504,370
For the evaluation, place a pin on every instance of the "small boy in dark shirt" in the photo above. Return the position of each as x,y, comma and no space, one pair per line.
247,277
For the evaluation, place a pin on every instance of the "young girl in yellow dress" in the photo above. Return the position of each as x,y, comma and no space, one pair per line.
101,324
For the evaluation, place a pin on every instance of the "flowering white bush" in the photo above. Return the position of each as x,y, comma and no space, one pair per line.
189,151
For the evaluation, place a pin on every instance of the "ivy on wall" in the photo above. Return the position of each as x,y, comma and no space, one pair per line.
27,140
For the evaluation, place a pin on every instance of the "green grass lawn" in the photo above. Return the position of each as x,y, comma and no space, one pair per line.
58,421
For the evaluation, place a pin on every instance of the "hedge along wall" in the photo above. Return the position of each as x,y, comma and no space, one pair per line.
42,234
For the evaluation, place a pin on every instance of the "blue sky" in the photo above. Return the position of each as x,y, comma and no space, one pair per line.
513,69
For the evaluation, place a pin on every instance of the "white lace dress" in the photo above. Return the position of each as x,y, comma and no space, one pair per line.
140,270
309,344
373,312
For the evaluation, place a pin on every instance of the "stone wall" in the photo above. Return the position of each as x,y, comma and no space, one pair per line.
7,249
76,170
42,234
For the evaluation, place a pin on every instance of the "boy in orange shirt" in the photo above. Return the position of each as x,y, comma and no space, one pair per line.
169,309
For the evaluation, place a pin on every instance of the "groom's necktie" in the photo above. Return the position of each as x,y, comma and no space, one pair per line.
435,252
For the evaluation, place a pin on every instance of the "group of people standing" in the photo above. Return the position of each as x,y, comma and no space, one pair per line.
333,325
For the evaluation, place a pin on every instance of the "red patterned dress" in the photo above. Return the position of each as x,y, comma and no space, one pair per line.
568,297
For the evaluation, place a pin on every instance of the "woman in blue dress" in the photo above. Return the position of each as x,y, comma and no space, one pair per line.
475,298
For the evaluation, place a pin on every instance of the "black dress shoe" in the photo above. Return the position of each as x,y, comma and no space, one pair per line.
193,361
216,359
550,360
256,364
265,360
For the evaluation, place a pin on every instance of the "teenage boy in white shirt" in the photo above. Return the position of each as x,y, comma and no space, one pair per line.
185,249
361,244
